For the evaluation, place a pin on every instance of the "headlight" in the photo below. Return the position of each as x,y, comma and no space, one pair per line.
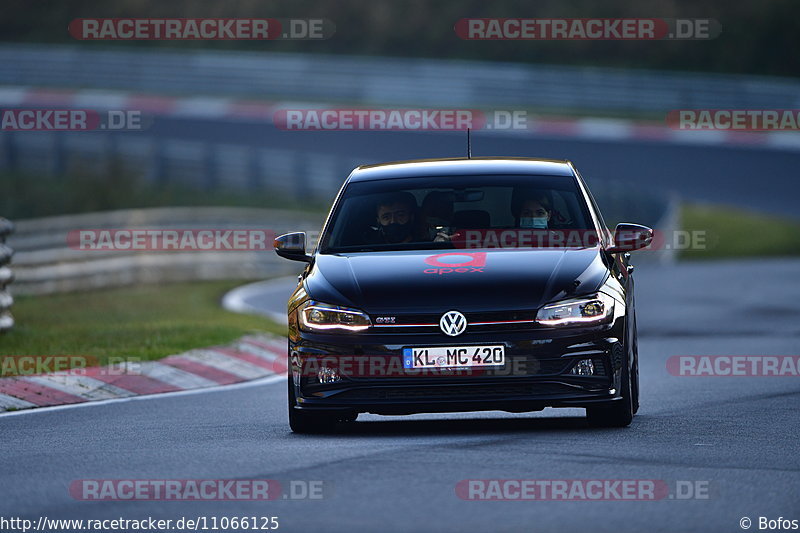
320,316
594,309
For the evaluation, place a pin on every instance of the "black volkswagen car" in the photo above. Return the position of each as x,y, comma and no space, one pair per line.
463,285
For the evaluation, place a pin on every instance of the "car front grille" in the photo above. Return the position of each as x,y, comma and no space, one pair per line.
476,322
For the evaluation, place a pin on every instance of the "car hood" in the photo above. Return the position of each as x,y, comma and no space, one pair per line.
424,281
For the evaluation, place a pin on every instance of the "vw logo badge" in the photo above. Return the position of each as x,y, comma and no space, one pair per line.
453,323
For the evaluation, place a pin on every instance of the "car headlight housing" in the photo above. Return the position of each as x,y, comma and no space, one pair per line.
594,309
318,316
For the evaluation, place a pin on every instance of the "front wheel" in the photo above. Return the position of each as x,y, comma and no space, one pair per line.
634,342
620,413
313,422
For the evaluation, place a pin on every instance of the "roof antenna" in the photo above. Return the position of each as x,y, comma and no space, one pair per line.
469,145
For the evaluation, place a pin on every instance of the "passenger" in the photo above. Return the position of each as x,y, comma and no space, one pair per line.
534,212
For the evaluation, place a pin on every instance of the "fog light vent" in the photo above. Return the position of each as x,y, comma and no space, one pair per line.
599,367
328,375
584,367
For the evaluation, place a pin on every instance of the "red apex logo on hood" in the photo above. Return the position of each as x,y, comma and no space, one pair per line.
456,263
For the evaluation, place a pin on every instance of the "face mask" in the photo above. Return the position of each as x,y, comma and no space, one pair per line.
395,232
533,222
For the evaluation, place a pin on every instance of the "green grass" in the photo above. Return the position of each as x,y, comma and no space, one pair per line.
134,323
732,232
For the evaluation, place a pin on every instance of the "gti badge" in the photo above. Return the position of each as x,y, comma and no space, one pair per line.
453,323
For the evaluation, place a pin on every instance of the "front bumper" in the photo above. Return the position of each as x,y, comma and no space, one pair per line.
536,373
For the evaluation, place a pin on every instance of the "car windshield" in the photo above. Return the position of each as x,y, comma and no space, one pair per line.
459,212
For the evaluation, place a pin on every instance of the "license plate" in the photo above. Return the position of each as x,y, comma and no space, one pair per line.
454,356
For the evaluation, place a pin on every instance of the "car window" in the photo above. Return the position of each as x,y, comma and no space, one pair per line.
455,211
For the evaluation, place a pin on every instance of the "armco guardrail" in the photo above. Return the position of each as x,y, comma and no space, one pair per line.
387,81
6,276
47,262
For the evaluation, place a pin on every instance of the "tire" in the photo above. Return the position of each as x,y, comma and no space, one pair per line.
620,413
635,372
635,387
310,422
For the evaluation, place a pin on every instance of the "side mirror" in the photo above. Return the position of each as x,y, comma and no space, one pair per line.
292,246
630,237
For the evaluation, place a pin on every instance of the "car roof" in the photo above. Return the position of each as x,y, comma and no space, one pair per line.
463,166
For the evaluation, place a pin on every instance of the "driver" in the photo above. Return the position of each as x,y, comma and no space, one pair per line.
395,215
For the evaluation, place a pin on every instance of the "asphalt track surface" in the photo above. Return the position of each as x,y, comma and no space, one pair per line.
752,177
736,435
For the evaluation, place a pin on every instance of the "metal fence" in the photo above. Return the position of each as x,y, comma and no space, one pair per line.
387,81
6,276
